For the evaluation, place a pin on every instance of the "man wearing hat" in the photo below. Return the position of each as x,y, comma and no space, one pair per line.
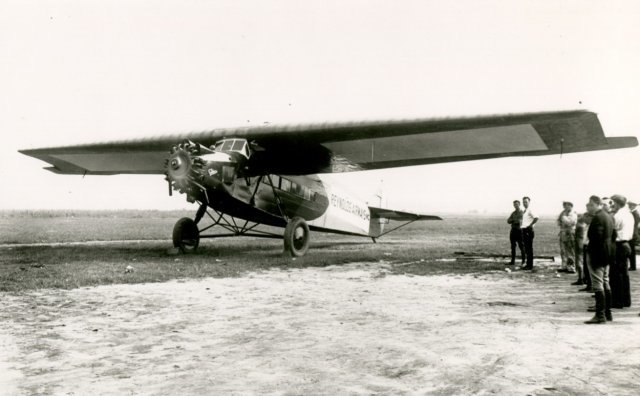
619,273
633,207
567,222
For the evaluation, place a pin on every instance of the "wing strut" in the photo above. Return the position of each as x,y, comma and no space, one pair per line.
278,202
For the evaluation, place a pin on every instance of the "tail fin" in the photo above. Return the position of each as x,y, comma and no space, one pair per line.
376,224
381,199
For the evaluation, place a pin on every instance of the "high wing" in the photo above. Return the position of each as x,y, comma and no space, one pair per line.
340,147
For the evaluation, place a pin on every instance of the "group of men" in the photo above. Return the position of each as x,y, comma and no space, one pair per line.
521,234
599,246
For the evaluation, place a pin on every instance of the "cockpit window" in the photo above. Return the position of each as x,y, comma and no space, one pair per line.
238,145
226,145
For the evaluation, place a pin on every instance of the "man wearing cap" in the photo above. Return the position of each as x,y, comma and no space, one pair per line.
633,207
567,222
619,274
600,249
515,235
529,219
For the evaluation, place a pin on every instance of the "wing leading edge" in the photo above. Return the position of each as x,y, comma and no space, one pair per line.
356,146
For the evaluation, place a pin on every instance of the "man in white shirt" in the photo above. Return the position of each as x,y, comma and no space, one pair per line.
623,223
529,219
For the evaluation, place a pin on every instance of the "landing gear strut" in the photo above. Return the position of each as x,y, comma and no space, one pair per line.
187,234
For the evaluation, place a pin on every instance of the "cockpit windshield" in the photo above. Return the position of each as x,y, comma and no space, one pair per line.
237,145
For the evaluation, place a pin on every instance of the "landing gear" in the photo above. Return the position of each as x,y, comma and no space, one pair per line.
296,237
186,236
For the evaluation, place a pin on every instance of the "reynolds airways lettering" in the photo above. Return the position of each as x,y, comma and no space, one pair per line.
349,207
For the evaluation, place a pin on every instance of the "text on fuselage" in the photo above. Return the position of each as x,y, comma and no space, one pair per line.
349,207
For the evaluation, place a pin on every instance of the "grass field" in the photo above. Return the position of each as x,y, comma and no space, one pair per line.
141,239
403,316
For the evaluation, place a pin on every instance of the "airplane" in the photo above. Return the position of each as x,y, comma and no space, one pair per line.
276,175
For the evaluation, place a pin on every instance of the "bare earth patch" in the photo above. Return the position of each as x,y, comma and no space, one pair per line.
351,329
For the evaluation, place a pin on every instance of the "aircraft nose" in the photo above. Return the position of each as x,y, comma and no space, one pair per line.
176,163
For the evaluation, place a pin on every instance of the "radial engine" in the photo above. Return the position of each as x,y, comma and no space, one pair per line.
196,170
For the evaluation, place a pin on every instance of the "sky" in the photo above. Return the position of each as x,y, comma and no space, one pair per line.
86,71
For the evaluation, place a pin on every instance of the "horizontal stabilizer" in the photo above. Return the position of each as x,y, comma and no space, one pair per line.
380,213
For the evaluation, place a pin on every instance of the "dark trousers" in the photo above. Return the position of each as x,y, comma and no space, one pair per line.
619,277
586,277
632,257
527,239
515,237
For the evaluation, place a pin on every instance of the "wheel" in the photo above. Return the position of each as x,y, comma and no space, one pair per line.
296,237
186,235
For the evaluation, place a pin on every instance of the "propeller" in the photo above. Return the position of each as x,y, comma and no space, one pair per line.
182,165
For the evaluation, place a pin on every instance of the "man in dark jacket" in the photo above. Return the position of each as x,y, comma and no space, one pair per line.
515,236
601,251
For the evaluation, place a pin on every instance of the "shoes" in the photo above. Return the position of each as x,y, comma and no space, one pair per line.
591,308
632,269
562,270
587,289
577,283
596,320
571,271
526,268
599,309
607,305
511,263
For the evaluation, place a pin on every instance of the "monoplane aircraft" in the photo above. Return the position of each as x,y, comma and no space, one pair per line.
273,175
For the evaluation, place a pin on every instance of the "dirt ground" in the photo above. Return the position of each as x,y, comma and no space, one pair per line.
350,329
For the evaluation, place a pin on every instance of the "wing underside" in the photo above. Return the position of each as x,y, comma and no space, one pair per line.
344,147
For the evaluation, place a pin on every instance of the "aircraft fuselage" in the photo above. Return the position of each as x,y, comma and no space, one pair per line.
222,179
271,199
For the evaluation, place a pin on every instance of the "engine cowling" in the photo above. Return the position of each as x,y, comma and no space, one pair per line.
192,169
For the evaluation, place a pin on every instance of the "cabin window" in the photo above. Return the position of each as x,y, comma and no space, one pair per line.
306,193
285,184
274,179
295,188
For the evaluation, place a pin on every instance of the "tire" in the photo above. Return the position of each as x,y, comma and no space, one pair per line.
296,237
186,235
